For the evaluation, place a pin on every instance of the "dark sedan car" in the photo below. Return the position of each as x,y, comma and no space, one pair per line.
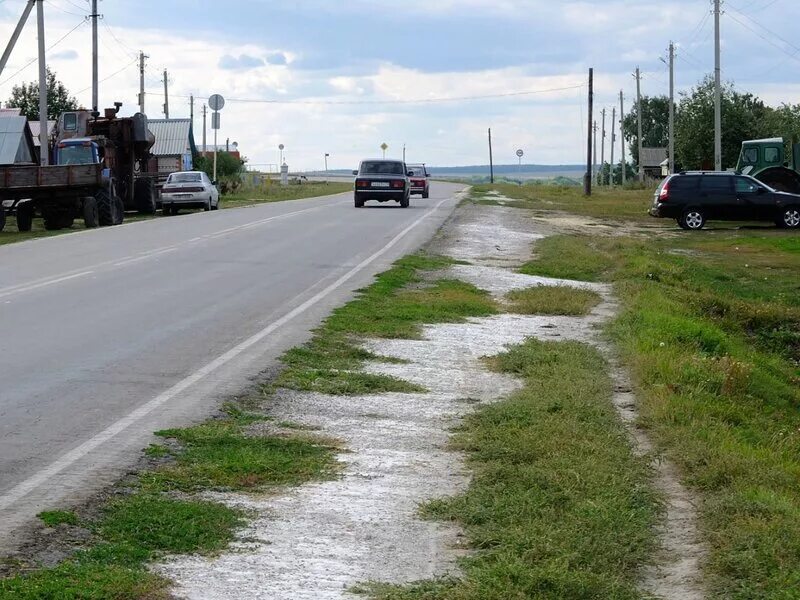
382,180
694,198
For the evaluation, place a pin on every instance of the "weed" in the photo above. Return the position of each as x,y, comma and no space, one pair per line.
553,300
54,518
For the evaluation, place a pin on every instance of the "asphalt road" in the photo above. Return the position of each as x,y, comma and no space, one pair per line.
111,334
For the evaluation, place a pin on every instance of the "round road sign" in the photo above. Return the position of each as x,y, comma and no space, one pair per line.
216,102
520,153
281,146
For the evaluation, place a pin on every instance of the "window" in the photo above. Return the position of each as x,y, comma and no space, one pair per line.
683,183
750,156
382,168
772,155
76,155
70,121
746,186
185,178
716,183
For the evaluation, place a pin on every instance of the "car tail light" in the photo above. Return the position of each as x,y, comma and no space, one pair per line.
663,196
194,190
398,184
362,184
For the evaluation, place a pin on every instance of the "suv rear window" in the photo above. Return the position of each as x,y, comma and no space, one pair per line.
382,168
686,182
716,183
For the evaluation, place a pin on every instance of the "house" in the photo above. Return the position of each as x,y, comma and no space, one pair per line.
17,144
651,161
174,148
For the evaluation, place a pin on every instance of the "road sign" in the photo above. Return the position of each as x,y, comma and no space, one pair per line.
520,153
216,102
215,120
281,146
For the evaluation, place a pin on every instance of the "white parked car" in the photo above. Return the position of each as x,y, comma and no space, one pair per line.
188,189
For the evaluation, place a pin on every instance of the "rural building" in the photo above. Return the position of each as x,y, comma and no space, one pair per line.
17,144
651,160
174,148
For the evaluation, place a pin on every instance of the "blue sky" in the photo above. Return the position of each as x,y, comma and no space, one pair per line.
344,71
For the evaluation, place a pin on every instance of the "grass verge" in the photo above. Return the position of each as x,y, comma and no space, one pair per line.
395,306
553,300
710,328
274,192
558,506
156,517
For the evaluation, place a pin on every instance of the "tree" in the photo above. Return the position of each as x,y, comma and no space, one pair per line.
26,97
744,117
655,125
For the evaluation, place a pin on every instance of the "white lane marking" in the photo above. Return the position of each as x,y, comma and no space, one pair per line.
24,488
41,284
36,284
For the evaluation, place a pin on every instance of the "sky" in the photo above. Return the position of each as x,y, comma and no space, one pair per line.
344,76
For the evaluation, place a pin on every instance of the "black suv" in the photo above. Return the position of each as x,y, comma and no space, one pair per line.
382,180
693,198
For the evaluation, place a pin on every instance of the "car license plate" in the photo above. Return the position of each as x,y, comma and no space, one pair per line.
380,184
183,196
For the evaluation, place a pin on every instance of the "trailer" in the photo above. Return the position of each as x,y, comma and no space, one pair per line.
60,194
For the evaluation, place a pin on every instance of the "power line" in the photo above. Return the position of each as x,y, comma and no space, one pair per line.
792,55
114,74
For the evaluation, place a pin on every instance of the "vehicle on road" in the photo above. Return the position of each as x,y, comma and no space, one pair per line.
382,180
189,189
694,198
419,176
769,162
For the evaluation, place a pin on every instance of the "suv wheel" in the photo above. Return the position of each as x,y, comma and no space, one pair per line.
692,219
790,218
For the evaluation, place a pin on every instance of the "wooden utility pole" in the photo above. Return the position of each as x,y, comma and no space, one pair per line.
166,94
594,160
622,134
491,158
587,179
671,107
717,90
603,149
639,123
613,145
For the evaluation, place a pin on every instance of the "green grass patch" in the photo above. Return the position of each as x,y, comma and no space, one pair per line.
553,300
558,506
274,192
54,518
396,305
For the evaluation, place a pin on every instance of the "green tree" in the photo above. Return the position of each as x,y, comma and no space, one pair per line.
655,125
784,122
26,97
744,117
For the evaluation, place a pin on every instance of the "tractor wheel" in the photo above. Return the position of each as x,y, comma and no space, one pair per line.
111,210
53,220
24,216
2,218
91,214
144,196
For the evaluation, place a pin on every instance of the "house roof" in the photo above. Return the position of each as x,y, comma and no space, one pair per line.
653,157
174,137
36,127
16,145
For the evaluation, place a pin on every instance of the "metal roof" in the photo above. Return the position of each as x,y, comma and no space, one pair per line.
36,127
16,145
653,157
174,137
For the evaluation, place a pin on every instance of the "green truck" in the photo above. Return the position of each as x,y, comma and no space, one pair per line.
772,161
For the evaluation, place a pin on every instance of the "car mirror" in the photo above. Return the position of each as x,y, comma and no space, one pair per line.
411,173
355,172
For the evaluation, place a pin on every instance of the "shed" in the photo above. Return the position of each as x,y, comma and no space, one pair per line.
651,161
36,127
16,141
174,148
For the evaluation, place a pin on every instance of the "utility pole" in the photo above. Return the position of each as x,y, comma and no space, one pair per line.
717,90
166,94
603,149
191,108
205,112
639,122
142,57
491,159
594,161
671,108
622,134
44,146
587,179
613,145
15,36
95,67
404,153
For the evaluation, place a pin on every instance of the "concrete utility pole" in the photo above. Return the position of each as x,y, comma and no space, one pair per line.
613,145
594,161
587,179
622,135
15,36
639,122
166,94
603,149
671,107
95,66
44,147
491,158
205,112
191,108
717,90
142,57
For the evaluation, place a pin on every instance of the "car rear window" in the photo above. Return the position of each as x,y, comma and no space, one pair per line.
382,168
715,183
185,178
688,182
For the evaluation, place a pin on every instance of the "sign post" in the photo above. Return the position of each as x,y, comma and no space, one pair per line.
217,103
520,154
